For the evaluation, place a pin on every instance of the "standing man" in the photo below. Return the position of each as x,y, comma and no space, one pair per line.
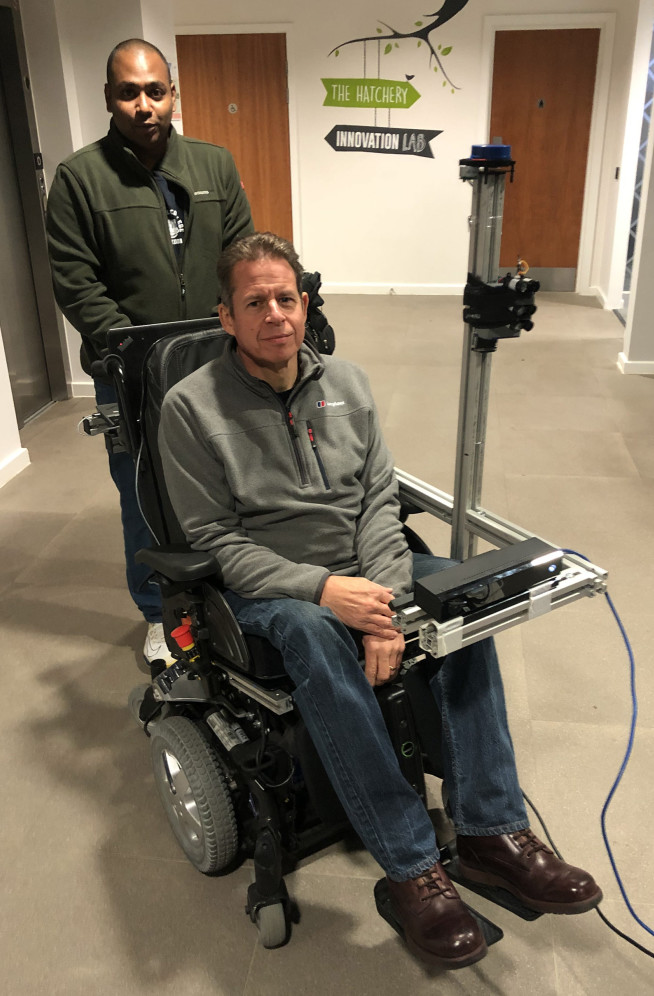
135,224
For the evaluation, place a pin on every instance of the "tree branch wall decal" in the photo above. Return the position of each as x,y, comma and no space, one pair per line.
421,35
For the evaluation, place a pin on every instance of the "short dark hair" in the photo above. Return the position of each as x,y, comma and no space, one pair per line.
133,43
248,249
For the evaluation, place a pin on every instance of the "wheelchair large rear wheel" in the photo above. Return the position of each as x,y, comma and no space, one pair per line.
192,787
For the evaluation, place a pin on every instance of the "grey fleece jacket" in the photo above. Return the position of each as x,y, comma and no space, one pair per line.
284,495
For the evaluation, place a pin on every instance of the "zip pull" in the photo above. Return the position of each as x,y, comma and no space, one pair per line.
295,445
182,283
314,447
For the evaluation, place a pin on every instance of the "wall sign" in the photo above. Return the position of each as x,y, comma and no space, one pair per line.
391,95
392,141
369,93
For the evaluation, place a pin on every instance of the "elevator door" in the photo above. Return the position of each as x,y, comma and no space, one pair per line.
19,318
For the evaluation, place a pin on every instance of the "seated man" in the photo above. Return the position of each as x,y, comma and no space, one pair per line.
275,463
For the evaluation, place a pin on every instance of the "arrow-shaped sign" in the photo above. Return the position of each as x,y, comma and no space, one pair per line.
369,93
392,141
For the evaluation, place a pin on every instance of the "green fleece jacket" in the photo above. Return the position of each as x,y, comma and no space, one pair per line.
283,502
112,260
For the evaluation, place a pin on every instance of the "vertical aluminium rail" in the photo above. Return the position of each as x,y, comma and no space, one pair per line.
483,262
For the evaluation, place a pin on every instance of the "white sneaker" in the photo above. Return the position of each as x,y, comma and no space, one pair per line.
155,647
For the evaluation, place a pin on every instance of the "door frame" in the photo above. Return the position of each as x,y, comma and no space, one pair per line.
587,280
282,28
31,184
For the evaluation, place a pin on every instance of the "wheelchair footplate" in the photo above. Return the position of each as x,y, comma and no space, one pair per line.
493,893
490,930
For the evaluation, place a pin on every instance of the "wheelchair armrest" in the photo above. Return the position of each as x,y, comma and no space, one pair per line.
184,566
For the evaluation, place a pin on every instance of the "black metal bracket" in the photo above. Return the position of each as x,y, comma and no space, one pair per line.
502,310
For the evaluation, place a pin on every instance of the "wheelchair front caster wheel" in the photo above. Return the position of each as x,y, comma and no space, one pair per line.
272,926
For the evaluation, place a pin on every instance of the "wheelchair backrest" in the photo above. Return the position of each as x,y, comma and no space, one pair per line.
168,361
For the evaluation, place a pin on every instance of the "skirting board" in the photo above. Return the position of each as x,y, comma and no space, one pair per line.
13,465
82,389
642,367
455,290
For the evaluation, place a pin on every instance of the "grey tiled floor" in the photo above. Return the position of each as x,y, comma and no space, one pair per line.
96,896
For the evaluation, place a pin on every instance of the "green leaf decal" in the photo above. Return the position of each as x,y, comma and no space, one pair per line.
446,51
337,53
418,24
419,44
379,31
389,48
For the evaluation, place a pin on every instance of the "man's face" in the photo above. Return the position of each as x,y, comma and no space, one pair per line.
141,100
267,319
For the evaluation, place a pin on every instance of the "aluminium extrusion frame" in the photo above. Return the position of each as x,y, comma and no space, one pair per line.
488,185
578,579
468,519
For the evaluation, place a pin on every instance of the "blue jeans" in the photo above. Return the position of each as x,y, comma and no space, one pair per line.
142,586
345,723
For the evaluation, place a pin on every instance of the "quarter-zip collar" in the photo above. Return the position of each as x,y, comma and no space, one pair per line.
310,367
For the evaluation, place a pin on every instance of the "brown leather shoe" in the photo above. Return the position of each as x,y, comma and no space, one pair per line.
520,863
437,926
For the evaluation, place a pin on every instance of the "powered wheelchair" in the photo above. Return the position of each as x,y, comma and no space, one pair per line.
235,769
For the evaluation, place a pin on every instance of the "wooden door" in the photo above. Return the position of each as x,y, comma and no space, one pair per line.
542,101
234,93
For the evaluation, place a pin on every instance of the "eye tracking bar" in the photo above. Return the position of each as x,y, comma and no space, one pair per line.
482,583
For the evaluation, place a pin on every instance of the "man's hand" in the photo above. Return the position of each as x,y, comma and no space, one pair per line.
360,604
383,658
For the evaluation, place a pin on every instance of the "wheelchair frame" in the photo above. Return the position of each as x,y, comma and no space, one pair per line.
234,766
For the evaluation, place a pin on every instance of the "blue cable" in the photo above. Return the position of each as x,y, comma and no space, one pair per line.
630,744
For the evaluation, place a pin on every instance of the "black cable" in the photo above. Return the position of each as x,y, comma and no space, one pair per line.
543,824
605,919
625,937
264,747
272,747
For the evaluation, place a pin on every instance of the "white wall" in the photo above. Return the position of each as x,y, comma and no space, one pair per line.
373,222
